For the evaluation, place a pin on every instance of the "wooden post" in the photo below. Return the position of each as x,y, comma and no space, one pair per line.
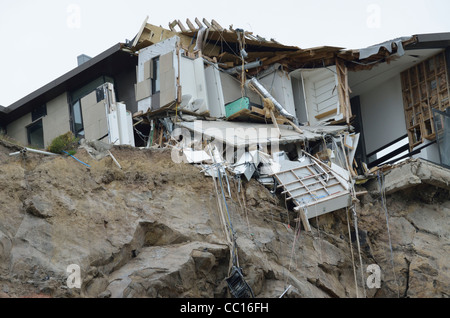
303,218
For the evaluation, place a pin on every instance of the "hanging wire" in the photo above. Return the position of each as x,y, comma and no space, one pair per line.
351,249
355,220
383,201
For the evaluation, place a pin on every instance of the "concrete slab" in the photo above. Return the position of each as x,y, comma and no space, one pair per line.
412,173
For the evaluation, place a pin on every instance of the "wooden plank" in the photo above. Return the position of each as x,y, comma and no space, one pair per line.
303,218
326,114
138,36
274,121
241,113
274,59
294,126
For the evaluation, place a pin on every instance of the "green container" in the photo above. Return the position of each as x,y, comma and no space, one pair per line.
237,106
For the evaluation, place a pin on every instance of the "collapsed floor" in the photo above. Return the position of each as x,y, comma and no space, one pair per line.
153,229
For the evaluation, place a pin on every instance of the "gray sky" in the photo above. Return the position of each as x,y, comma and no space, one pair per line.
41,39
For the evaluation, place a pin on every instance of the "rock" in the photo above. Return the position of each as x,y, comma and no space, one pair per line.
38,207
204,261
4,295
154,229
105,294
5,246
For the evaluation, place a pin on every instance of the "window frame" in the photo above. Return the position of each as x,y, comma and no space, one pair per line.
156,75
31,126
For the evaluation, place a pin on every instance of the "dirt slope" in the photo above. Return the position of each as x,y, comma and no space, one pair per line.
153,229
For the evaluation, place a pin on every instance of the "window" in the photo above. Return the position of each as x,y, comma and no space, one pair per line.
38,112
442,127
156,79
75,102
35,134
78,128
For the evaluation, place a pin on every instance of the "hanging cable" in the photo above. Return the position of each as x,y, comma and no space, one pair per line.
355,220
383,201
351,249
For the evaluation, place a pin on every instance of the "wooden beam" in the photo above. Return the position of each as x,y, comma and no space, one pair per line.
138,36
190,25
275,59
326,114
216,25
172,26
294,126
303,218
274,121
182,27
208,25
200,25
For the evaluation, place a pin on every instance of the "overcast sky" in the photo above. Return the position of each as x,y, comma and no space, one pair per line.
41,39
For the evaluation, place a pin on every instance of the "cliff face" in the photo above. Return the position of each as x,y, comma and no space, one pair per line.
153,229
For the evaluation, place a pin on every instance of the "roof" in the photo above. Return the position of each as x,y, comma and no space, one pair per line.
118,57
108,63
430,41
224,46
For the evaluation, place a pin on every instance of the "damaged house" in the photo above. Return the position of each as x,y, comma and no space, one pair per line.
307,123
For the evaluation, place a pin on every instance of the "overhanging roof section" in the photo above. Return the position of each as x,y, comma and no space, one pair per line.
430,41
109,63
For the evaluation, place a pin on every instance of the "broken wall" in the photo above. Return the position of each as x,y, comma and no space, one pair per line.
166,50
382,114
124,86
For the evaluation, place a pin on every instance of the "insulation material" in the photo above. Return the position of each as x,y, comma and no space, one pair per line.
143,90
148,69
168,81
388,45
168,71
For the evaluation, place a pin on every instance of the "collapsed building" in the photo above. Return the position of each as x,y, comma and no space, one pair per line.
307,123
